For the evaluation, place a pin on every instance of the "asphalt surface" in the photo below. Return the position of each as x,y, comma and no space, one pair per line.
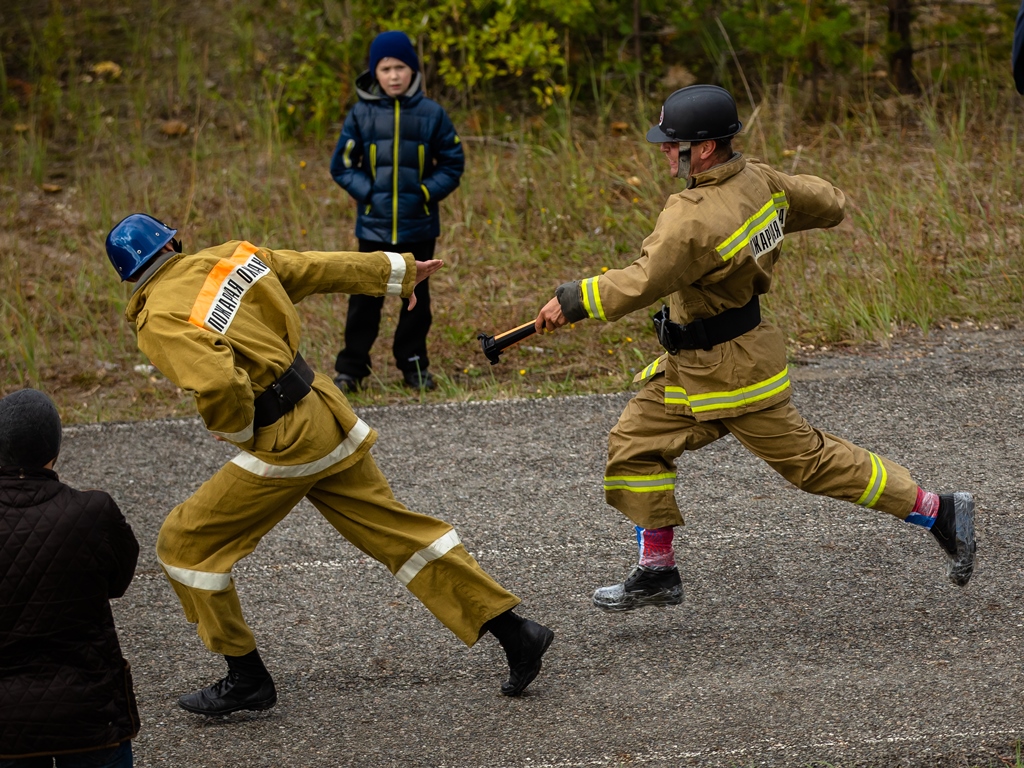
813,631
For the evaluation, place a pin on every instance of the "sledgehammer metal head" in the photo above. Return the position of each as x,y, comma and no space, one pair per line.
493,346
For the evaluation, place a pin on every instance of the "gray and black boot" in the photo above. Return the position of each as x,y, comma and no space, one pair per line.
644,587
954,530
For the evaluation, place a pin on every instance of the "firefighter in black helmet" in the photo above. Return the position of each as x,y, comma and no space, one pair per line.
710,257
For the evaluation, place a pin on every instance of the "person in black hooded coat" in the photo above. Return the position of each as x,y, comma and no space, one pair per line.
65,688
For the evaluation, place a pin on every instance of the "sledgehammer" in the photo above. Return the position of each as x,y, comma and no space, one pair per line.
493,346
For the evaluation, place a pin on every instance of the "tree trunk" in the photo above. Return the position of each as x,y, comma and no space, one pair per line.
901,51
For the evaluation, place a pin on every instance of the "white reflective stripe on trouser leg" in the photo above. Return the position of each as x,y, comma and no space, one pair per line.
397,275
344,449
214,582
417,562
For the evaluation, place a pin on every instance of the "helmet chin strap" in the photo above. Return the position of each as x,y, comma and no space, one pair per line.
683,168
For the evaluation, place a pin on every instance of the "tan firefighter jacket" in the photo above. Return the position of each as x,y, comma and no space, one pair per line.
713,248
222,325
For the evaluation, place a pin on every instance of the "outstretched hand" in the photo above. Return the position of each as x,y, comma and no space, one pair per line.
550,317
424,269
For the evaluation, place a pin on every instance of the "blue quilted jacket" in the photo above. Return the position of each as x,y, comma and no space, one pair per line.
398,158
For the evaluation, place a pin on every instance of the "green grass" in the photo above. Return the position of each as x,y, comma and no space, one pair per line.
933,233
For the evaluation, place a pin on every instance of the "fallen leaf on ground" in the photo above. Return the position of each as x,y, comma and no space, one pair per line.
173,128
51,188
106,68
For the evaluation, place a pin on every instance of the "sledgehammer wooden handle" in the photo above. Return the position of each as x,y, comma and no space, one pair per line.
493,346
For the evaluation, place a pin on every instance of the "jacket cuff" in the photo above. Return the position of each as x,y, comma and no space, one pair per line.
403,275
570,298
399,273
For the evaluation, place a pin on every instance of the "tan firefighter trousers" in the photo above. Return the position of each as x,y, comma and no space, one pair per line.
640,476
225,519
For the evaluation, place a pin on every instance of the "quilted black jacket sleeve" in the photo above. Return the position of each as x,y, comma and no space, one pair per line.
64,684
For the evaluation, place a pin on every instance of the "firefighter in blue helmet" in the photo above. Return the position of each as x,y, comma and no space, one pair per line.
221,324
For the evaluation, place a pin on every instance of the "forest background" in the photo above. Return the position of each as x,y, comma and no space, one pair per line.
220,117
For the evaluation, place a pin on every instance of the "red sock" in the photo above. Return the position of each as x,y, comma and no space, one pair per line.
656,547
925,509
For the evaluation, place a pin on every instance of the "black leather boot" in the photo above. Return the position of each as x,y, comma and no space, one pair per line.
525,643
248,685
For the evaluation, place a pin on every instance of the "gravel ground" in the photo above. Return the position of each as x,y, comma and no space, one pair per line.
813,632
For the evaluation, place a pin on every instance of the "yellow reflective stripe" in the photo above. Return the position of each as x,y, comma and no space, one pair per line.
420,150
394,179
876,484
592,299
457,139
426,192
347,156
782,205
676,395
641,483
650,370
737,398
732,244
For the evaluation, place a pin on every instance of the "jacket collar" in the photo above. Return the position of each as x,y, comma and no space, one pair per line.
719,173
369,89
138,296
23,473
151,270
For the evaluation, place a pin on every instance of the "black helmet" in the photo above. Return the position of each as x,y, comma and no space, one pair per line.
697,113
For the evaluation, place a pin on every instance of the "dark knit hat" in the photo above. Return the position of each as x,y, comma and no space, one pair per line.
397,45
30,429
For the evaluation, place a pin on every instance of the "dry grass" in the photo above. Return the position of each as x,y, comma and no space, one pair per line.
933,236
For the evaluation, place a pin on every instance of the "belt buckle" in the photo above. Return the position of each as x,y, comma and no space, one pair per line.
279,390
663,330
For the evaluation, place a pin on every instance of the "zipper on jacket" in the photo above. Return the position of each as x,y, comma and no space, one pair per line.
394,178
426,193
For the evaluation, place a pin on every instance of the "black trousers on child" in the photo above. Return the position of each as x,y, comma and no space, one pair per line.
363,322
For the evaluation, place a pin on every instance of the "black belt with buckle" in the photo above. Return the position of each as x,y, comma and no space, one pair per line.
284,394
709,331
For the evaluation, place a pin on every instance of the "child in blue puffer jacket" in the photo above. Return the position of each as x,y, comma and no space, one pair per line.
398,156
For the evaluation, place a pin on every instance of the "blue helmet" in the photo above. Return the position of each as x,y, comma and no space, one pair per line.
135,241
